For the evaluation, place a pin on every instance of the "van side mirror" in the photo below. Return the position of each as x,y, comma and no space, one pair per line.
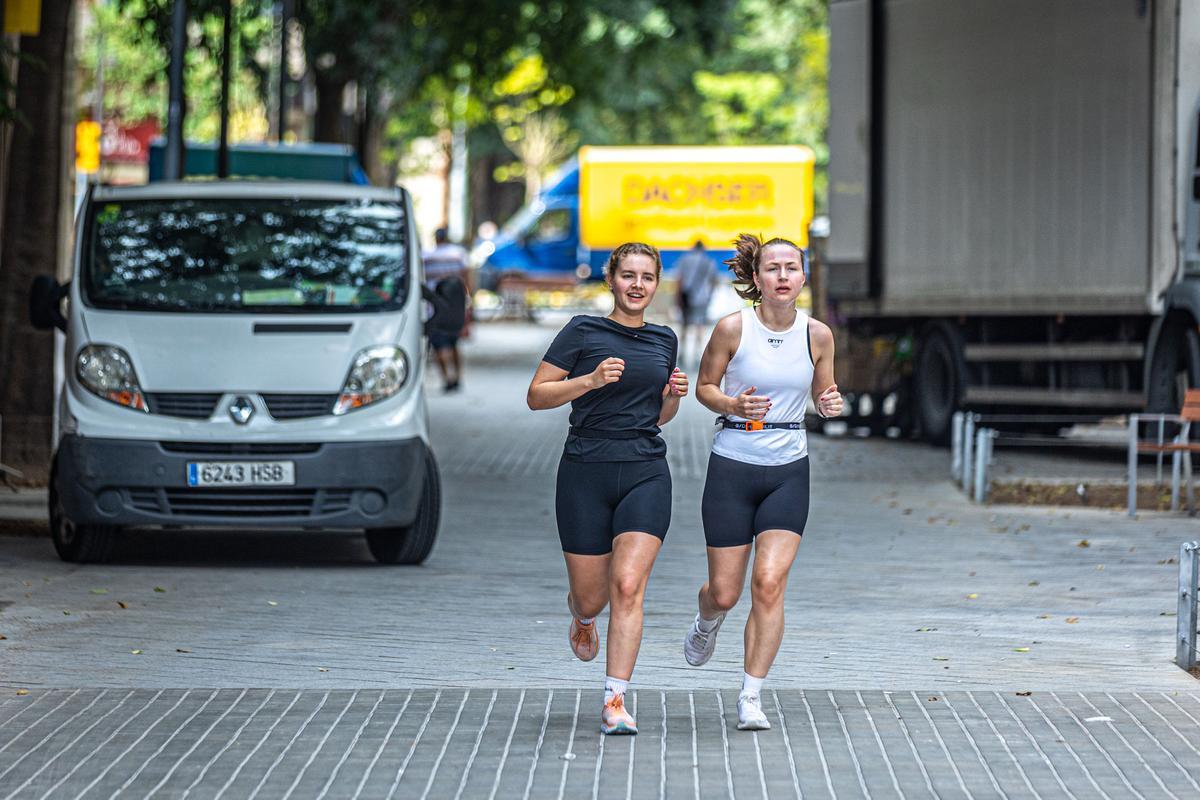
45,295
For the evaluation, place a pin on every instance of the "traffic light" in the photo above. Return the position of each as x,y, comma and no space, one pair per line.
87,146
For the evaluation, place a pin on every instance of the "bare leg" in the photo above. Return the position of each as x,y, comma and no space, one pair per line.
726,577
442,357
774,553
456,359
632,559
588,579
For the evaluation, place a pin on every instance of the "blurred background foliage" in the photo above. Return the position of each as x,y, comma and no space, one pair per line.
530,81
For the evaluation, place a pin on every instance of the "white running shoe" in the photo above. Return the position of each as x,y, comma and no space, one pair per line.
750,714
698,646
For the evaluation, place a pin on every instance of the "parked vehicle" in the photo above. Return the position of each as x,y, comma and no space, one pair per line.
243,354
1014,203
671,197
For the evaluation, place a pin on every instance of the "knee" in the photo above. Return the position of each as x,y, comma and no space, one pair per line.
767,590
724,597
627,591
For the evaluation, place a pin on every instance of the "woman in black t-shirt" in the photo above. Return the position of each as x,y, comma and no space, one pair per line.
613,498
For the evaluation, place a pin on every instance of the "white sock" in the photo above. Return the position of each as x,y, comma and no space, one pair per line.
585,620
706,625
614,686
751,684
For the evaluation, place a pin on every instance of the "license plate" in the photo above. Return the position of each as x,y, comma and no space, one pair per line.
241,473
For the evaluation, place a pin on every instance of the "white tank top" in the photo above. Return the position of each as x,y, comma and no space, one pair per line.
780,364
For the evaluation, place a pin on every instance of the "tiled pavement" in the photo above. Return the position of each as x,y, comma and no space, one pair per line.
481,743
900,584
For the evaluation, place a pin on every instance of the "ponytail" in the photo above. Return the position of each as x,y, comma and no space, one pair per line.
747,252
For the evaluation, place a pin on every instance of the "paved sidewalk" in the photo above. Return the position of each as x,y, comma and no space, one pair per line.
481,743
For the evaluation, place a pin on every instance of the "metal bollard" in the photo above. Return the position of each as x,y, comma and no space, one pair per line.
968,443
956,439
1189,577
1131,477
983,456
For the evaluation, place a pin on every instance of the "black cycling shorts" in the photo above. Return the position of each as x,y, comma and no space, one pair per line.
595,501
742,500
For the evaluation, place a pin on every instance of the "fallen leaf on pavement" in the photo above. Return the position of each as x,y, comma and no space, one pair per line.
1072,620
940,658
973,596
159,589
1020,649
1084,543
322,669
1043,616
122,604
933,699
182,650
66,613
1099,568
22,691
272,603
135,652
1034,583
2,637
925,630
1024,694
99,591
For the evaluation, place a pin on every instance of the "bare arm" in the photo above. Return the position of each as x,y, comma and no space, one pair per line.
675,389
548,389
714,362
826,397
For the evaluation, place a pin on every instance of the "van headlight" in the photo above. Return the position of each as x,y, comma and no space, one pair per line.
107,372
377,374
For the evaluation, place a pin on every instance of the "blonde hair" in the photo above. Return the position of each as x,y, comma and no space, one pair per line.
632,249
744,263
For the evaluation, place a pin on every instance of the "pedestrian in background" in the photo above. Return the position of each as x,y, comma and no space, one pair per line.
698,276
446,274
758,372
613,492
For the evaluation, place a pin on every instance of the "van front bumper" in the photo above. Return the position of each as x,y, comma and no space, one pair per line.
349,485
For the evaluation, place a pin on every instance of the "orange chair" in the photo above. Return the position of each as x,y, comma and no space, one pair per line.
1180,447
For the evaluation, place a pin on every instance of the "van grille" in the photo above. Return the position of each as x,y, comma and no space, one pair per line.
241,448
299,406
192,405
229,503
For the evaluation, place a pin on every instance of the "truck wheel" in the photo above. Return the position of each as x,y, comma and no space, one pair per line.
939,380
80,544
1175,367
412,544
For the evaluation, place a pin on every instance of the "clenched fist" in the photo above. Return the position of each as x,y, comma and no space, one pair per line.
608,371
677,384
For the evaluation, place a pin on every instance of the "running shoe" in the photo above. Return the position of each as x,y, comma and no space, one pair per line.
750,714
615,720
585,640
698,646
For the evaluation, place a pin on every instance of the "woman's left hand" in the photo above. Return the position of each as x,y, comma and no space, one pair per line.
677,385
829,404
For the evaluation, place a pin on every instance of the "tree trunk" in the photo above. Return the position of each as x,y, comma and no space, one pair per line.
31,246
330,120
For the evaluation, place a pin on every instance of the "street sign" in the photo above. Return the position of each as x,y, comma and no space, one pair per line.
87,146
23,16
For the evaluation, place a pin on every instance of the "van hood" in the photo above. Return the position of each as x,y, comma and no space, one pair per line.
178,352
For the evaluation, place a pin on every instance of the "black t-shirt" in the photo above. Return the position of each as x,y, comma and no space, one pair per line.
632,403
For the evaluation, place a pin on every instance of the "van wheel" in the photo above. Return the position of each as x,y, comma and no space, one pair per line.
80,544
412,544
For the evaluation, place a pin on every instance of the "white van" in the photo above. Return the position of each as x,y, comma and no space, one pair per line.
243,354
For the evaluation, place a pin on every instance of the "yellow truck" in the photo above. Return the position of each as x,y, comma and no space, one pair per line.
670,197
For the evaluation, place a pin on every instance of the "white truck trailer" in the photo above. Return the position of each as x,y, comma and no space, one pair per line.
1015,192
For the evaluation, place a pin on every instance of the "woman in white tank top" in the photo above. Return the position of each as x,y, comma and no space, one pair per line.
758,372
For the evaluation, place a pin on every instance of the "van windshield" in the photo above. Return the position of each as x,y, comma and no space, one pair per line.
260,255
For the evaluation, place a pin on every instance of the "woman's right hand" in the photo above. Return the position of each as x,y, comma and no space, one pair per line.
608,371
748,405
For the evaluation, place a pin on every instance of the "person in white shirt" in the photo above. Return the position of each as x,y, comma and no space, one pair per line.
758,372
446,275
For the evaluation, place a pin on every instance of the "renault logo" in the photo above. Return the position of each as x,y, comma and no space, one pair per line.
241,410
